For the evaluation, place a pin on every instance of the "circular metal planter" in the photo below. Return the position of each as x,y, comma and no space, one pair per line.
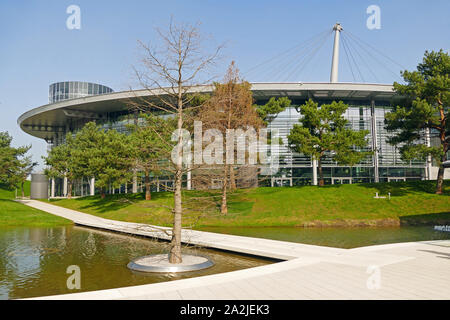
159,263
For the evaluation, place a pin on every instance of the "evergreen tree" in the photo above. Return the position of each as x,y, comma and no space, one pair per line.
272,108
425,107
324,131
104,155
61,163
14,165
25,168
150,145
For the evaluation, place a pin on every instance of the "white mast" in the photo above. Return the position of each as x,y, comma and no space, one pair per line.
335,61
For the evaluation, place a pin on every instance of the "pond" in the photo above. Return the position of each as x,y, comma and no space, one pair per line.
338,237
34,261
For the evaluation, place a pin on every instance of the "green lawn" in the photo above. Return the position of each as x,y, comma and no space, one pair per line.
15,214
338,205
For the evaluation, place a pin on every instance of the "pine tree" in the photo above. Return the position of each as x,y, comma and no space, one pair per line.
324,131
425,107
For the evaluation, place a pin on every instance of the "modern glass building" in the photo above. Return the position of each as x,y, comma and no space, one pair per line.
60,91
73,104
368,104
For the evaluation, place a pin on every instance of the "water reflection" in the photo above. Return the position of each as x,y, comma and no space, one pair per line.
33,261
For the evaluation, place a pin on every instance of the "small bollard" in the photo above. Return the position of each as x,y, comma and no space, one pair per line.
389,196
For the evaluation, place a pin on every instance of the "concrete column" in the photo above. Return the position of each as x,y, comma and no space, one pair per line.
135,183
92,187
314,169
189,174
374,141
429,160
65,187
188,186
52,192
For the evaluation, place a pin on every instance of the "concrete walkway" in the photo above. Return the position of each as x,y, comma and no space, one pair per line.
413,270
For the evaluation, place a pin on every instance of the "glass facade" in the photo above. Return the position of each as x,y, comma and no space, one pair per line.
384,165
60,91
296,169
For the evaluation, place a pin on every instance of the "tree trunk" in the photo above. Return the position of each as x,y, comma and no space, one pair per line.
319,167
224,206
175,244
102,192
21,187
232,179
69,189
440,177
148,195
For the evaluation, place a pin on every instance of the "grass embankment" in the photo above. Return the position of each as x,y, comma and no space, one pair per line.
14,214
339,205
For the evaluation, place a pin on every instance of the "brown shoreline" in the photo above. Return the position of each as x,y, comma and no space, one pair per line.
376,223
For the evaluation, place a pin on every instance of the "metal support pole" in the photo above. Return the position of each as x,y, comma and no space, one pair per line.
335,60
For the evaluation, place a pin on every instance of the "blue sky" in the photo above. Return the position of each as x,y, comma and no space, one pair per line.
38,49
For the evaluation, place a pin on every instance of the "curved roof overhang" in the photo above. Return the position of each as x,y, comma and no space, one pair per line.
47,120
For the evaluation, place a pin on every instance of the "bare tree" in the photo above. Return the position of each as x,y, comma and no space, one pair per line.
171,72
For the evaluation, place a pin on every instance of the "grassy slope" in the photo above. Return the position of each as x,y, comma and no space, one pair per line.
13,213
411,203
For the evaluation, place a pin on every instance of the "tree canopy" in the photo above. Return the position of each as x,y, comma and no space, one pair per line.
92,152
272,108
425,106
150,146
15,166
324,131
229,108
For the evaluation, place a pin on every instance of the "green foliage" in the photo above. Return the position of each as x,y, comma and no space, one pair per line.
14,165
324,129
272,108
62,162
92,152
151,143
426,106
106,156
